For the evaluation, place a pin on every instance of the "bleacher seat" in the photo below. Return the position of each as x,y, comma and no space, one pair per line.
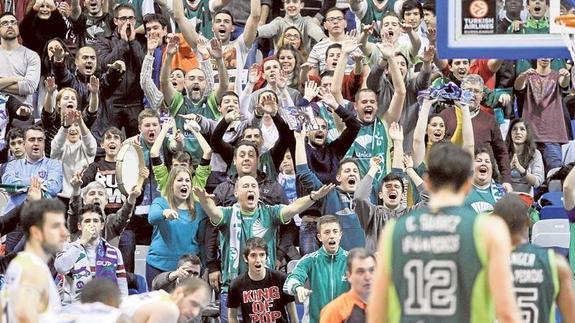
554,198
552,233
140,259
553,212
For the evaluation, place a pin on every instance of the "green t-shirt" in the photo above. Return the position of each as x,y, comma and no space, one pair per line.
536,282
237,227
483,199
438,268
207,108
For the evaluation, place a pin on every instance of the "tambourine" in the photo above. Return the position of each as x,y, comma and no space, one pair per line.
129,161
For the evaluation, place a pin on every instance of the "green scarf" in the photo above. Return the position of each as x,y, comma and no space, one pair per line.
372,140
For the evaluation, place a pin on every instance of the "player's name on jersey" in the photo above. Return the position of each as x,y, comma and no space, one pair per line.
434,223
436,244
528,276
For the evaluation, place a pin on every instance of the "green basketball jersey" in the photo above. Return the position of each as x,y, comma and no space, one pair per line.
536,282
438,268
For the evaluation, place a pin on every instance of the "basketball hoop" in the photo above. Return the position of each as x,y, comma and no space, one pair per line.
567,22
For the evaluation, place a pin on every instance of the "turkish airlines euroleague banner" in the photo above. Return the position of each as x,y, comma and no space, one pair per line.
479,17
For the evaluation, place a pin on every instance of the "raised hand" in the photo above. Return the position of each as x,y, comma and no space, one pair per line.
23,111
94,85
118,65
428,54
328,99
311,90
71,117
300,135
50,84
76,180
153,43
215,48
407,27
321,192
254,74
375,162
201,194
407,161
59,54
396,132
202,48
135,192
281,80
173,44
269,104
349,44
232,116
386,47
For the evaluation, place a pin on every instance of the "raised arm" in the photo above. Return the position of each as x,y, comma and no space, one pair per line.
398,98
151,91
413,38
214,213
396,134
251,27
215,50
94,99
303,203
157,146
76,10
49,99
521,80
467,130
347,47
165,85
186,27
419,132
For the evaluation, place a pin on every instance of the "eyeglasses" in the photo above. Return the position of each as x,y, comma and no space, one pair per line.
334,19
294,36
7,23
125,18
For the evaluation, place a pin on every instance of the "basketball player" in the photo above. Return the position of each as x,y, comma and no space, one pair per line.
444,263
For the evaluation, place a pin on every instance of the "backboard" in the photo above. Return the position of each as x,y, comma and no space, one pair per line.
473,29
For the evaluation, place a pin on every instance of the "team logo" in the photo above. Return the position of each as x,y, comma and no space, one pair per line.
478,9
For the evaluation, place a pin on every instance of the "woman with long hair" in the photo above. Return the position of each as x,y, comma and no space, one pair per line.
290,60
292,36
176,219
527,170
430,129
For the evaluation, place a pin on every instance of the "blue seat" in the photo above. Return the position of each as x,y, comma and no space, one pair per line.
553,212
142,285
555,198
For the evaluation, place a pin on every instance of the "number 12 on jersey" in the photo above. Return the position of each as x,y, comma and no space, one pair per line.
431,287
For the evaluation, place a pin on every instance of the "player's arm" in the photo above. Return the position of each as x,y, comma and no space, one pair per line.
377,305
498,247
160,313
27,297
566,297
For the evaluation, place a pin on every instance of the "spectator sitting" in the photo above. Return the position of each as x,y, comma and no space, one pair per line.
91,256
15,138
35,165
188,266
527,171
485,191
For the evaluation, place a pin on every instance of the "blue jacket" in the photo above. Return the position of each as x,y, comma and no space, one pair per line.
336,203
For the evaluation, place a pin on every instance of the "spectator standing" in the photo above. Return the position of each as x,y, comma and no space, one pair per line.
41,24
20,72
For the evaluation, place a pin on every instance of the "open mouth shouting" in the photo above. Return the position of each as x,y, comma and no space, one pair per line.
89,69
221,33
152,135
437,135
351,181
184,192
368,112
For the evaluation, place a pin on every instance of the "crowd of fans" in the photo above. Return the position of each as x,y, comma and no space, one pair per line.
269,133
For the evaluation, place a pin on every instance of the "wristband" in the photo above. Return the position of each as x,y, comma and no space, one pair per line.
311,198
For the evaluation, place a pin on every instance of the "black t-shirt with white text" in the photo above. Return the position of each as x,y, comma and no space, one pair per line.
260,301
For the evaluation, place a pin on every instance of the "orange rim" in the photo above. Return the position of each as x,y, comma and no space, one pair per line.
567,20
